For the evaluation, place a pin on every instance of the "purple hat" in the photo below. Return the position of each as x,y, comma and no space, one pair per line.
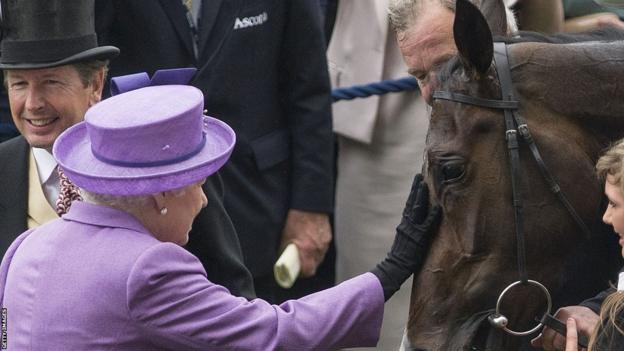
149,138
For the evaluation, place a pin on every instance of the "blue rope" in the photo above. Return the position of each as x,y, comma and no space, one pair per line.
377,88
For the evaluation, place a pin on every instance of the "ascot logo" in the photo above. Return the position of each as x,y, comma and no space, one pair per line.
251,21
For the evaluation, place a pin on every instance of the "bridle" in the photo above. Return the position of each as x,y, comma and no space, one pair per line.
516,130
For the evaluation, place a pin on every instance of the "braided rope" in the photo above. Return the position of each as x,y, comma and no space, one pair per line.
377,88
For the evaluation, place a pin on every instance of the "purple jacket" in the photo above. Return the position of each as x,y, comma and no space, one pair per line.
97,280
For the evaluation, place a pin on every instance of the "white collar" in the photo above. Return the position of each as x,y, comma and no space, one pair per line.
46,164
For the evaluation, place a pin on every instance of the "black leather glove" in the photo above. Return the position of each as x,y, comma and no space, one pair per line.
411,243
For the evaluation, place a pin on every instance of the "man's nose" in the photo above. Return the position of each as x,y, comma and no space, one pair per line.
34,100
427,93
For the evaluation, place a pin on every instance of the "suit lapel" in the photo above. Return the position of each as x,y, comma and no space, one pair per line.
177,14
217,23
209,11
14,189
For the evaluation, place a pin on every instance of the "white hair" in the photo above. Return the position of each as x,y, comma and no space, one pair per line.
123,202
404,13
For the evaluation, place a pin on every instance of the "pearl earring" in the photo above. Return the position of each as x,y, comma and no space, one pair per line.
163,211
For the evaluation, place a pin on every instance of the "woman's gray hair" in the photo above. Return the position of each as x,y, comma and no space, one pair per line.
404,13
122,202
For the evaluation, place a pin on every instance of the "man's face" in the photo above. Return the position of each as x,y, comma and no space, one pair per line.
427,44
45,102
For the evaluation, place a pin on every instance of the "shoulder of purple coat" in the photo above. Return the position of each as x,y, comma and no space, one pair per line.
6,261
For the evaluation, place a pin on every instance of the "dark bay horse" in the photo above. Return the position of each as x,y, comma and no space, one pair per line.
572,98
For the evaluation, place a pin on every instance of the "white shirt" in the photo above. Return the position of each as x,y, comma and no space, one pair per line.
48,176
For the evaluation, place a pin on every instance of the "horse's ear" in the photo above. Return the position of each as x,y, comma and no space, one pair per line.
495,13
473,37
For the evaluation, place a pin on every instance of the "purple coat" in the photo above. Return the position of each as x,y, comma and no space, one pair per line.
97,280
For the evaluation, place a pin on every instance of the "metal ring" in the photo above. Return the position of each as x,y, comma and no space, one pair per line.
500,299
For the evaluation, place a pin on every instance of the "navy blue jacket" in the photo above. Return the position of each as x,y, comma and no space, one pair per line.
262,69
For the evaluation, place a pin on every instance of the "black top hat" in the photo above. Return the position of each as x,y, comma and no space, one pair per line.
49,33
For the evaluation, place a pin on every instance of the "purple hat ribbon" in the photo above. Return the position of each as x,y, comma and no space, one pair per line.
177,76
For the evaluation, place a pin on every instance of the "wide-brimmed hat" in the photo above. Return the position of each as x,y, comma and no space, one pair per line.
147,140
50,33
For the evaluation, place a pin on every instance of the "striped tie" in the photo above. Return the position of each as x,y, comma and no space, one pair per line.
188,4
68,193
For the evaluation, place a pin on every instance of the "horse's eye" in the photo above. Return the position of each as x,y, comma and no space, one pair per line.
452,172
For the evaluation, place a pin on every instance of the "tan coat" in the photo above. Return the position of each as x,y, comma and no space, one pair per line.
381,141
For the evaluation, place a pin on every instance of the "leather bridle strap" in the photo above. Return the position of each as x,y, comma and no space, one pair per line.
511,135
476,101
556,325
554,187
504,77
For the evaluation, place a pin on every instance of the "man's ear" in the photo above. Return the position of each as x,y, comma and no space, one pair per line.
473,37
97,85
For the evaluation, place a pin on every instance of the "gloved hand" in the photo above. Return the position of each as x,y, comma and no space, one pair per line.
411,243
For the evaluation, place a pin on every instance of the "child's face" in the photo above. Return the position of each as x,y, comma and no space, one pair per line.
614,215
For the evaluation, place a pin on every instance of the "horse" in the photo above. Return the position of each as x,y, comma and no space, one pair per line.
570,102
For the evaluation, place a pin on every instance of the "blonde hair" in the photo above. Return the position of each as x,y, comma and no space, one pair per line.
612,163
611,325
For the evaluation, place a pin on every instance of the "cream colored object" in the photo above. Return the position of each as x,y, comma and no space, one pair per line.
287,267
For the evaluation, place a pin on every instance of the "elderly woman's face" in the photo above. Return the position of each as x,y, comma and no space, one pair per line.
614,215
181,211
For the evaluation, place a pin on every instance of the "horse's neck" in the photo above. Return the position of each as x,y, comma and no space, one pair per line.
583,80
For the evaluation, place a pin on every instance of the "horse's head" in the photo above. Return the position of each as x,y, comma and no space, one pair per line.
474,255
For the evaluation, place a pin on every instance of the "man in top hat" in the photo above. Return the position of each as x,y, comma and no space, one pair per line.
54,71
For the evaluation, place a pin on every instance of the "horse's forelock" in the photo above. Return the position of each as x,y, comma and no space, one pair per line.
453,76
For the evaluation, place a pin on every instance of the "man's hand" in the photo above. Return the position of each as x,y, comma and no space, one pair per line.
586,321
592,21
311,232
